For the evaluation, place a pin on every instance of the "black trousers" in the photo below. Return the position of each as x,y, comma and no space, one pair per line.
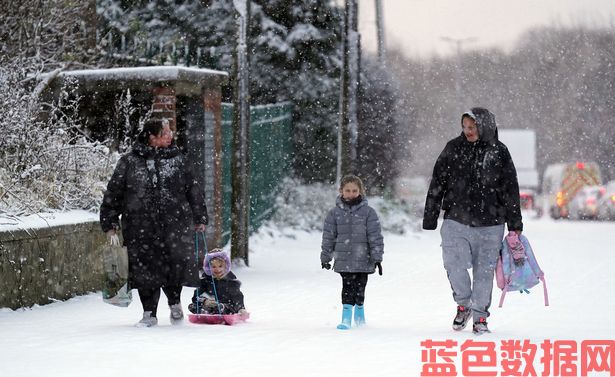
150,297
353,287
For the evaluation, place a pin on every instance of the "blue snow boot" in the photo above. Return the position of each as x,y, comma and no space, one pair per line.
359,315
346,317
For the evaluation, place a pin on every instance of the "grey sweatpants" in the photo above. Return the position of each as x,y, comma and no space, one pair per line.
465,247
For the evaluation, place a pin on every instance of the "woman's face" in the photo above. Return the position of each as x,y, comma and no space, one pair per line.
350,191
469,129
162,140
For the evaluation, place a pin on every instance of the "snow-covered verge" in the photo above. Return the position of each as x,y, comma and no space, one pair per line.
295,306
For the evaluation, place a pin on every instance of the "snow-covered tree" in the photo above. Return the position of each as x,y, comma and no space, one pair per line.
46,161
41,35
383,135
294,56
557,81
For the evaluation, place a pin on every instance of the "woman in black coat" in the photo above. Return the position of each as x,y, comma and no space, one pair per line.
160,205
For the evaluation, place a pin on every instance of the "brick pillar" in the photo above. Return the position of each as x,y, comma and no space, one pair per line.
163,105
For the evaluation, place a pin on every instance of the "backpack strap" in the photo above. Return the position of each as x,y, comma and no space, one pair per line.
503,295
541,276
536,269
511,265
544,289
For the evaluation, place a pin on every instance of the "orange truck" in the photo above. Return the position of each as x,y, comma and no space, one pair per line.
562,182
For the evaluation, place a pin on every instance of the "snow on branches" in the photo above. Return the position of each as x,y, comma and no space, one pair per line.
46,161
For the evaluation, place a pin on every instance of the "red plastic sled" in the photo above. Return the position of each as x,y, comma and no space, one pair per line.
218,319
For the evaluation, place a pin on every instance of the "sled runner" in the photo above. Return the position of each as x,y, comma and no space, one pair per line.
218,319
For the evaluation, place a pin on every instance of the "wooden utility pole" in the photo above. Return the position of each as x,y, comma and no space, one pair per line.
348,124
380,32
240,161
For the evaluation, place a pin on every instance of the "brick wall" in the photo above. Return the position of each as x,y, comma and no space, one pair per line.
164,105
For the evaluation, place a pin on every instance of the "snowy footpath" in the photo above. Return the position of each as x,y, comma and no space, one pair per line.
295,307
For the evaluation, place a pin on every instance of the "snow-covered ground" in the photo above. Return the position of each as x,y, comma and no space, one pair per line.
295,307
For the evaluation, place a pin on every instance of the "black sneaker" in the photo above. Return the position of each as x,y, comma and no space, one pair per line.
461,319
480,326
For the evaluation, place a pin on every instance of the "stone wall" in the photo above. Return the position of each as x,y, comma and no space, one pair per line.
38,266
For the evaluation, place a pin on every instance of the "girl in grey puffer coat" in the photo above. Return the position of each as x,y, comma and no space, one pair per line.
352,237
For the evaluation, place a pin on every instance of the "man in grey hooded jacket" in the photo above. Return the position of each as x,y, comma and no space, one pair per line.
475,182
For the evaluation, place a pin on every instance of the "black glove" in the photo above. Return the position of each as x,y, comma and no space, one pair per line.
326,266
379,266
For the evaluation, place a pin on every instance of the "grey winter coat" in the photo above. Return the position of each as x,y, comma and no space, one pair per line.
159,202
352,237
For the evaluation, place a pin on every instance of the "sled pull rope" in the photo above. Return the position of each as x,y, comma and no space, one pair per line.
196,260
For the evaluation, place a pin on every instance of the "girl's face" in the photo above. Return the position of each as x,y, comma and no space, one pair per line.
350,191
218,267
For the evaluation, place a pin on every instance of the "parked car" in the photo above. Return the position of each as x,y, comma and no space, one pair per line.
606,204
585,203
529,205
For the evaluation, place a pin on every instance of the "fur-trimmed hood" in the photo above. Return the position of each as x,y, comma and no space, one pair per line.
216,254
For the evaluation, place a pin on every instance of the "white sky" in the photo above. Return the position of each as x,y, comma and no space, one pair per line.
418,26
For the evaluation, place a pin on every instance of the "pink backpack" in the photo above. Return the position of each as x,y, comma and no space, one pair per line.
517,268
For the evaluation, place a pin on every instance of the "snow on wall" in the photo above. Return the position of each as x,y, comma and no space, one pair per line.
156,73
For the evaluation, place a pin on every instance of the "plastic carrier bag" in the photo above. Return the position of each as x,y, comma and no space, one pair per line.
115,265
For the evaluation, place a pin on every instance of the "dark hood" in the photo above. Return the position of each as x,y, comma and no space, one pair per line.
485,122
